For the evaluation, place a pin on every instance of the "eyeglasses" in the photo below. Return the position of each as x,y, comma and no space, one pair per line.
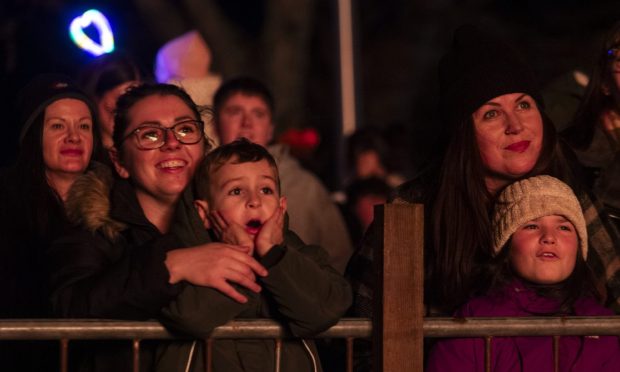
151,136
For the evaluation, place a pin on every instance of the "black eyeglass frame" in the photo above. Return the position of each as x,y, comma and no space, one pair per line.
199,123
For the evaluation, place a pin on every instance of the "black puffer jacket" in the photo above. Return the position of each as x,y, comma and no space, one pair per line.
31,217
112,266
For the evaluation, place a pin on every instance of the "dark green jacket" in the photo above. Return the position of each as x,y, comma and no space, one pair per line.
302,292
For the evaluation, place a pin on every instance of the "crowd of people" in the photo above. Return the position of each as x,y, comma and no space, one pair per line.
131,201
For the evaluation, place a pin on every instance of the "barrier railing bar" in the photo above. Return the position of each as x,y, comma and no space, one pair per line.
77,329
523,326
434,327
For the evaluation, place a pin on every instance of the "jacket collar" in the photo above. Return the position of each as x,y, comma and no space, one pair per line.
527,300
99,201
124,205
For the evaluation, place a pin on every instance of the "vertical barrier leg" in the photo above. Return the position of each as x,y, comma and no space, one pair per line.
556,353
398,336
278,354
349,354
64,351
135,345
209,354
487,353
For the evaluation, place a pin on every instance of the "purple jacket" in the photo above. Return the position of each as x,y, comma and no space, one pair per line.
589,353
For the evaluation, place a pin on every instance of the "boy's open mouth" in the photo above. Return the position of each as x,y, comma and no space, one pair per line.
253,226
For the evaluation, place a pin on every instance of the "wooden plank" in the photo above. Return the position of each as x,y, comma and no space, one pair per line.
398,336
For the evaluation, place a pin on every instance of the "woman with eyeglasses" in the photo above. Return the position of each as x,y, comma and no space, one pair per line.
119,263
595,132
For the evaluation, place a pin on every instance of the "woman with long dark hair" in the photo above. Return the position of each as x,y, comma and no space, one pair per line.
58,134
496,133
56,142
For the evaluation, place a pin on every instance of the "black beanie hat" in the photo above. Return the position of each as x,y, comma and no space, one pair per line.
476,69
41,92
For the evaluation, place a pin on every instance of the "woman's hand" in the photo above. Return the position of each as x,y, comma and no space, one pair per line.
271,233
610,120
215,265
230,233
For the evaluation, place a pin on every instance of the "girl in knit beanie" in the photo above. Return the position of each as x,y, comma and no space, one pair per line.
541,245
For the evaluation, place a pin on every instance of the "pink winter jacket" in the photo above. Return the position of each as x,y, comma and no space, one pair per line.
588,353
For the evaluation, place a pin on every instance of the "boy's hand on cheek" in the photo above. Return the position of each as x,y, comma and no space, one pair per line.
271,232
231,233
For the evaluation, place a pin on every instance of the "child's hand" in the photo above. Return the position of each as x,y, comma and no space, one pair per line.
271,233
231,233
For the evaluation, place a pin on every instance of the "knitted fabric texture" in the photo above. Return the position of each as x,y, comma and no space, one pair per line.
477,68
533,198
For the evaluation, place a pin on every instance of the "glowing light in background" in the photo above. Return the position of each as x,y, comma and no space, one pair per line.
100,22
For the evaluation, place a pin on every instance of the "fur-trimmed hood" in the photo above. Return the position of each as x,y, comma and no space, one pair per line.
88,202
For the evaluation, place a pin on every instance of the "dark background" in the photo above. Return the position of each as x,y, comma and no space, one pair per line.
398,45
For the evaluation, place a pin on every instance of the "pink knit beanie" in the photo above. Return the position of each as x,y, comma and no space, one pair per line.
533,198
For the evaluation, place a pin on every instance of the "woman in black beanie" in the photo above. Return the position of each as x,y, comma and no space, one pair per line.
496,133
55,147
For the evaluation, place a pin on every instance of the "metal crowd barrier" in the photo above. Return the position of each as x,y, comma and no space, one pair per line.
348,329
397,330
137,331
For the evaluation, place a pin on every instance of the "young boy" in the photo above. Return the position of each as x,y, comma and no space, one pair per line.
239,202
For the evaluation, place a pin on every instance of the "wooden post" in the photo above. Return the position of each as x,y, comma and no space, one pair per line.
398,336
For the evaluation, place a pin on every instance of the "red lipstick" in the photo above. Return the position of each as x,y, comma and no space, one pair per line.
71,152
520,146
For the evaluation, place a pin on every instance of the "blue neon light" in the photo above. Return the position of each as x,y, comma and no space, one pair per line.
100,22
